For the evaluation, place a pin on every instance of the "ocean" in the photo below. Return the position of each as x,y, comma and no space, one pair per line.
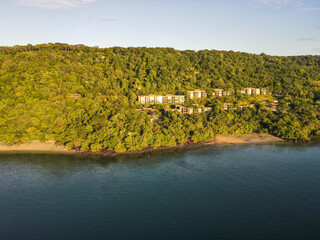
213,192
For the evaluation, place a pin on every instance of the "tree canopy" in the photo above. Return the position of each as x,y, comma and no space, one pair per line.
36,83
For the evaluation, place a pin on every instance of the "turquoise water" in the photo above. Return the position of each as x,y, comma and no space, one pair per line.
224,192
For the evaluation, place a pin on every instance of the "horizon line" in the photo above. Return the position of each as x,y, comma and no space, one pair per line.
150,47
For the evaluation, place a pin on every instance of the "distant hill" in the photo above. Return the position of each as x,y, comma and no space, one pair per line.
37,83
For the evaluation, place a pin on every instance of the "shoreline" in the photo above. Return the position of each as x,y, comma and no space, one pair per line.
50,146
249,138
35,146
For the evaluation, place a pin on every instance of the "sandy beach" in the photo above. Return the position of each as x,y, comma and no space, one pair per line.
247,138
50,146
37,146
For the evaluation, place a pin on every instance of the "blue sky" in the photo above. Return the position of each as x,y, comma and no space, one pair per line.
275,27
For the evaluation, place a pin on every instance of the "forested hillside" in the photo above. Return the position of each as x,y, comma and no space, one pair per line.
36,83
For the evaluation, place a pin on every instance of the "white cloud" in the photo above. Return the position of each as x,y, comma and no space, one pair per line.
299,4
310,9
276,2
55,4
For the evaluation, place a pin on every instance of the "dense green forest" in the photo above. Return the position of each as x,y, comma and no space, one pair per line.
36,83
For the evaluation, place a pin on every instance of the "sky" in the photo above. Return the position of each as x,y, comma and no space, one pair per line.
274,27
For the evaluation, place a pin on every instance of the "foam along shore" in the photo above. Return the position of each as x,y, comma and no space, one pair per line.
36,146
247,138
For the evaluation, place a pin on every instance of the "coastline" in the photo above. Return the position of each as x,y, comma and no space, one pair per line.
252,138
50,146
247,138
35,146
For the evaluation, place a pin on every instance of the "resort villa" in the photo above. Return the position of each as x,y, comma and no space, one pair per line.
221,93
193,110
158,99
255,91
196,94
